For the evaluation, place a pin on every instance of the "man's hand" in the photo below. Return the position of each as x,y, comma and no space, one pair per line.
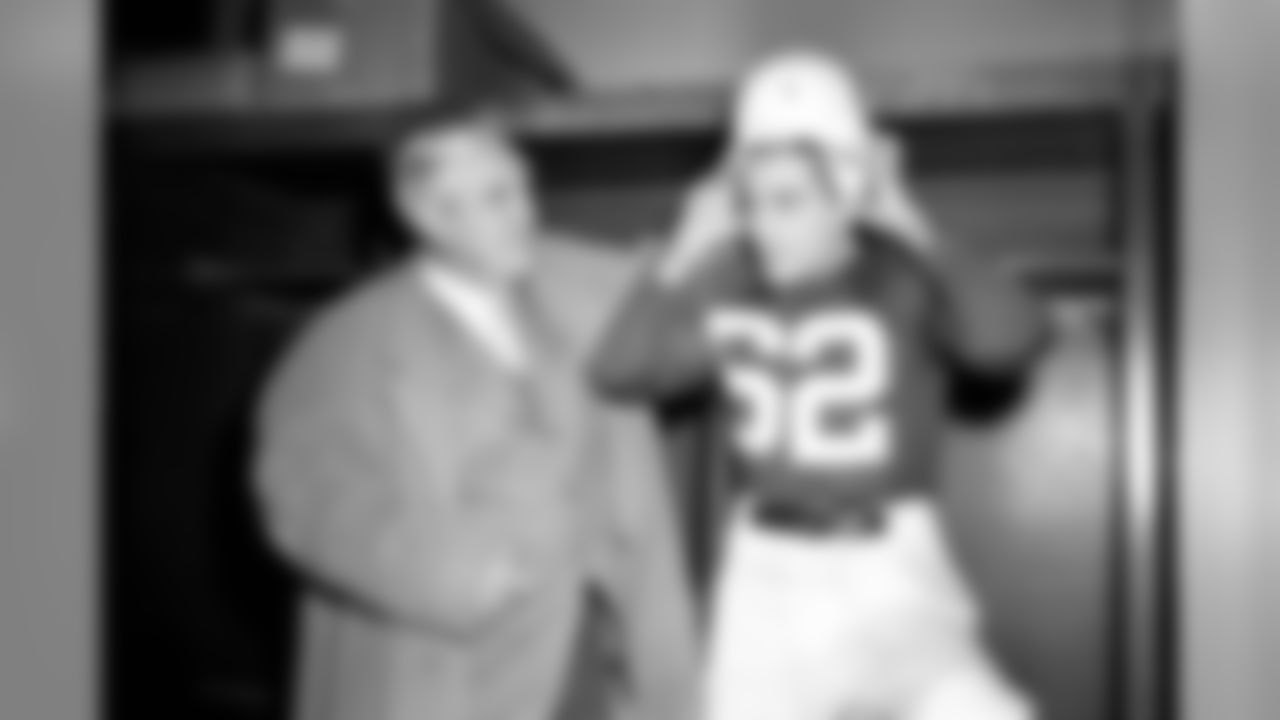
708,224
890,205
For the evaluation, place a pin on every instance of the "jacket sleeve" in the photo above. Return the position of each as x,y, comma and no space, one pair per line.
352,498
649,579
656,347
990,323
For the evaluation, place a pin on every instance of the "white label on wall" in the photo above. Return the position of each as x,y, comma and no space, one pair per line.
310,48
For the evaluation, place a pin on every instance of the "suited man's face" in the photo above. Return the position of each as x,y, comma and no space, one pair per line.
468,194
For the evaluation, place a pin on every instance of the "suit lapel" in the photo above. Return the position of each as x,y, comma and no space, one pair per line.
547,396
554,379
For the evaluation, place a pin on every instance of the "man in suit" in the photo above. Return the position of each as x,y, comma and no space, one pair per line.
434,465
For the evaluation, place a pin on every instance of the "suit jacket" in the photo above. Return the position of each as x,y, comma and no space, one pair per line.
398,464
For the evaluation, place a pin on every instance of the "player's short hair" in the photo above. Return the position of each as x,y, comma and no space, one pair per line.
404,156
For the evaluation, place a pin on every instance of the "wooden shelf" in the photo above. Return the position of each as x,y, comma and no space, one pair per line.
1046,97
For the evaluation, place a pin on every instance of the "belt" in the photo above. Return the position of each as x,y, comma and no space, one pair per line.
862,520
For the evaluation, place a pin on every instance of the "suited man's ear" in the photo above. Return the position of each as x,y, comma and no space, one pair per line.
410,166
420,155
417,210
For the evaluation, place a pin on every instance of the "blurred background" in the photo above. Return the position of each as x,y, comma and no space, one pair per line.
243,189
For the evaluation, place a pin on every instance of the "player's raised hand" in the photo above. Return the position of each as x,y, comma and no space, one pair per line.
708,223
891,206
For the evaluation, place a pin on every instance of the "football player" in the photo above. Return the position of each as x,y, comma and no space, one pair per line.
803,283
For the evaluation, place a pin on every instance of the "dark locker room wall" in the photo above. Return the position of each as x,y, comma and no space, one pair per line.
199,612
1030,497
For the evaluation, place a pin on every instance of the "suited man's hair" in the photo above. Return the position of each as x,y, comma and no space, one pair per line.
403,157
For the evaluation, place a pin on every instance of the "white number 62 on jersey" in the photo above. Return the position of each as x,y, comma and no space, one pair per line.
790,420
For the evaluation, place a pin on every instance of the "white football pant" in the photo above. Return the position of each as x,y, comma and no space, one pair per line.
843,627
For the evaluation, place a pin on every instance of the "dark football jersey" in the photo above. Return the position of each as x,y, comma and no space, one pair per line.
834,389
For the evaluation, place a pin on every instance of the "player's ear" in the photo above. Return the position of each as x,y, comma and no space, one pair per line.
890,205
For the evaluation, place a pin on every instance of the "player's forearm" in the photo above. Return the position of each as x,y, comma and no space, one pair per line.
1030,328
654,348
1005,328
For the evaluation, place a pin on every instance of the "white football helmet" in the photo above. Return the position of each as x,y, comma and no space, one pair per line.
802,95
807,96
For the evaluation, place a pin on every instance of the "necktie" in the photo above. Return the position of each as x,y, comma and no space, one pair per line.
536,387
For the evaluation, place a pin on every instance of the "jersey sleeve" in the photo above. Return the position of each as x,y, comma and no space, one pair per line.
988,322
656,348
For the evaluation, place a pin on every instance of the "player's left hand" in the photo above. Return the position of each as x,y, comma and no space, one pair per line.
890,205
707,225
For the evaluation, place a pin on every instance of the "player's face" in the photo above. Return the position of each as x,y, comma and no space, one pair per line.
468,194
792,215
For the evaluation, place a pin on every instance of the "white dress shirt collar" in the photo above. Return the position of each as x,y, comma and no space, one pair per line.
486,314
